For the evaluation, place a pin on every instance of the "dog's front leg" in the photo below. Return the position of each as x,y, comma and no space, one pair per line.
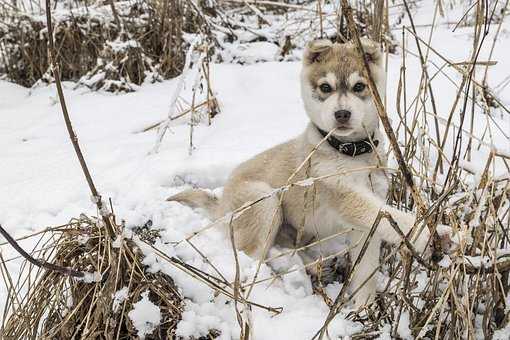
367,266
360,207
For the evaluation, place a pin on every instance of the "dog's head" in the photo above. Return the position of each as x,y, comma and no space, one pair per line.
334,91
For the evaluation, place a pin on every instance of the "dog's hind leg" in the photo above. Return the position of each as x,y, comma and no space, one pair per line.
256,227
197,198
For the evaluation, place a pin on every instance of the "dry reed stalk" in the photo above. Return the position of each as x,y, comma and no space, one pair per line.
127,44
457,319
63,307
196,63
441,307
93,314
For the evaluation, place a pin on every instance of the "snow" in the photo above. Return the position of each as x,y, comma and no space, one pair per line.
403,326
502,334
117,243
119,297
254,52
90,277
41,183
145,316
445,262
121,46
385,333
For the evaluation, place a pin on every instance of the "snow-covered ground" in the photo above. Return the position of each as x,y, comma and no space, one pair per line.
41,183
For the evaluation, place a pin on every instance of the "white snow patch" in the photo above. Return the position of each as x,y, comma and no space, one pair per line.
119,297
260,107
82,239
445,262
502,334
404,329
145,316
90,277
117,243
385,333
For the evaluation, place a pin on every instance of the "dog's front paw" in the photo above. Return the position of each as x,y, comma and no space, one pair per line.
448,242
451,240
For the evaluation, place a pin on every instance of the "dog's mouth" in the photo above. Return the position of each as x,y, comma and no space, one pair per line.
343,130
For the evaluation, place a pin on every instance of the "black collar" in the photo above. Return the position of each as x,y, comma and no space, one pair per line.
351,148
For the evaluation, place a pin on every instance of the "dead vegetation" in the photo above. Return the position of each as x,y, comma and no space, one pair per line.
462,296
114,46
57,306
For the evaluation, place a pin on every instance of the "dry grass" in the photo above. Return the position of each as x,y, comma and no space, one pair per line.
55,306
464,299
113,47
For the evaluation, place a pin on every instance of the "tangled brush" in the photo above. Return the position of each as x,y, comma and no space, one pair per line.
99,305
113,47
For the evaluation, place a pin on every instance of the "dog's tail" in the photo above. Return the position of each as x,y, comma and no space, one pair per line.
198,198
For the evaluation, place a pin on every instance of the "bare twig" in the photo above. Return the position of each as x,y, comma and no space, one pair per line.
39,263
72,135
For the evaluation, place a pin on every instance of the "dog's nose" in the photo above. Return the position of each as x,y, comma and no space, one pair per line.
342,116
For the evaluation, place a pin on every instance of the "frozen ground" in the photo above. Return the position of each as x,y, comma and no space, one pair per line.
41,183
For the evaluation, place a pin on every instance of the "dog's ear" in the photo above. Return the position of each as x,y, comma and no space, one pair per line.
316,49
372,51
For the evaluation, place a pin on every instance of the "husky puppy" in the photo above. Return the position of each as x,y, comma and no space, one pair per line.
336,98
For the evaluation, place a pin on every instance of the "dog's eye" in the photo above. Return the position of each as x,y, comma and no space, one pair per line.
358,87
326,88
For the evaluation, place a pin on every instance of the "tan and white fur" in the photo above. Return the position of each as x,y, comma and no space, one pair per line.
351,200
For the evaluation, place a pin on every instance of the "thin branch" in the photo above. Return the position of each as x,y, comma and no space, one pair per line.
408,177
72,135
339,298
41,264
